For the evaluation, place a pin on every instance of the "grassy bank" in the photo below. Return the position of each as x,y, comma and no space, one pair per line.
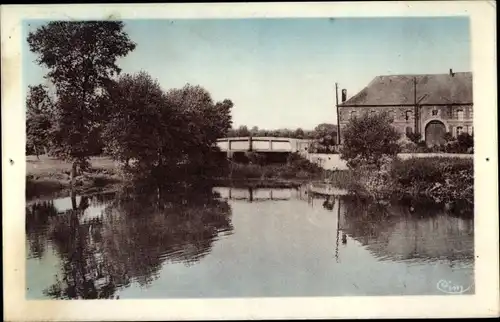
436,178
295,172
50,176
444,180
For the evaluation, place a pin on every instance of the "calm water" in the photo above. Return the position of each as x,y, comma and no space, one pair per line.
241,242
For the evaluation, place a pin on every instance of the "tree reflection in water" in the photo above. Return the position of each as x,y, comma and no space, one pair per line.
38,216
138,230
409,232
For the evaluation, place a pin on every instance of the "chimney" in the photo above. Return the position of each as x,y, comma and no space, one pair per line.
344,95
451,72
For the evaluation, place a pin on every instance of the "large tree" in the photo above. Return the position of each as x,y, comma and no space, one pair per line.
39,118
141,125
206,121
166,134
81,60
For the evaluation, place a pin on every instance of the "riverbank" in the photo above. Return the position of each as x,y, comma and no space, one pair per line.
437,178
50,176
443,180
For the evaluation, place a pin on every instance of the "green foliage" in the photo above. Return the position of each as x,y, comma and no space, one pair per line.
414,137
138,120
164,132
296,167
81,60
464,143
325,135
299,133
243,131
256,158
448,137
204,122
368,139
443,179
39,118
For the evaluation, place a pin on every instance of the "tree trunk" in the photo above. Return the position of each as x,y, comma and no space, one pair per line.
73,199
73,174
127,164
36,152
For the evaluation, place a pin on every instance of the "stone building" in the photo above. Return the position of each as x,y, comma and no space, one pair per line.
427,104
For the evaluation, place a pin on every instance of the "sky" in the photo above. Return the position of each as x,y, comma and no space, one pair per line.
281,73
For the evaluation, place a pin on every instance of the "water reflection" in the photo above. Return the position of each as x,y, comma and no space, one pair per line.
128,239
402,232
107,242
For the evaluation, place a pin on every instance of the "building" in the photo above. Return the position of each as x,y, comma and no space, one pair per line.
427,104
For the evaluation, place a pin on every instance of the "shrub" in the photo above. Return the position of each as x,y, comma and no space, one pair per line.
443,179
407,145
414,137
377,182
256,158
296,167
464,143
368,139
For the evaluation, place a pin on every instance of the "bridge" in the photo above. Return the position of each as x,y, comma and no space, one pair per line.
263,145
254,194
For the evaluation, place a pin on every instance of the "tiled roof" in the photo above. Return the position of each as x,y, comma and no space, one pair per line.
430,89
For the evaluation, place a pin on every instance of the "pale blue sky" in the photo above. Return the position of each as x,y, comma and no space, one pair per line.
281,72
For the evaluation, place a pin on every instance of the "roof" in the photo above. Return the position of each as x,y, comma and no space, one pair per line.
431,90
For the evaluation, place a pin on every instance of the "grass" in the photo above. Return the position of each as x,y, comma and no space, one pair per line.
49,176
444,180
47,165
440,178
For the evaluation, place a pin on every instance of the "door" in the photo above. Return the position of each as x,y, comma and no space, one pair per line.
434,133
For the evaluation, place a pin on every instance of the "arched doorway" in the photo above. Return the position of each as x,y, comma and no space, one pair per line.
434,133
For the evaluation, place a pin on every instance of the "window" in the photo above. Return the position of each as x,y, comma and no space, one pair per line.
471,113
353,114
434,112
408,115
392,114
459,130
469,130
450,111
460,114
409,130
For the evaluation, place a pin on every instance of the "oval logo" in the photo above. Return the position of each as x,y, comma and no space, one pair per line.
450,288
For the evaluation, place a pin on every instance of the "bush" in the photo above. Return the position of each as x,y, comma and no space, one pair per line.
443,179
464,143
256,158
376,182
414,137
368,139
296,167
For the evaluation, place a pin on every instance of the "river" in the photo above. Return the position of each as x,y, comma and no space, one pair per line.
223,242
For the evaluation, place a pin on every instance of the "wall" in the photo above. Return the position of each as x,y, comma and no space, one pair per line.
333,161
446,114
327,161
403,116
